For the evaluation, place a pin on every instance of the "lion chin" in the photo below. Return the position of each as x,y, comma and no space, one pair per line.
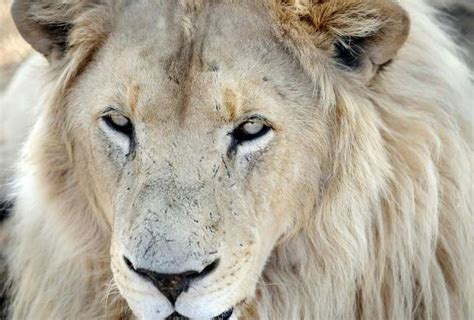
270,159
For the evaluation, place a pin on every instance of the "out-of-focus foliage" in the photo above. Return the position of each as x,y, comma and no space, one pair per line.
13,49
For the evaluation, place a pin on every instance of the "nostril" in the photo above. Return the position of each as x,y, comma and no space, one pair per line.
128,263
208,269
171,285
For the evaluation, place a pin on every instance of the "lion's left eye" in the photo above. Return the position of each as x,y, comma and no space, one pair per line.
251,129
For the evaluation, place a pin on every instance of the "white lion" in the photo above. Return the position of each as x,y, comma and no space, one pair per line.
270,159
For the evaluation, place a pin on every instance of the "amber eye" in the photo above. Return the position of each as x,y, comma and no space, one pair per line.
251,129
119,123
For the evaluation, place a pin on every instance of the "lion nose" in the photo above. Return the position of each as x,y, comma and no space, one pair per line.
172,285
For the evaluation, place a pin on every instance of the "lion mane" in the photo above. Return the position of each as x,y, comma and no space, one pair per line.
391,236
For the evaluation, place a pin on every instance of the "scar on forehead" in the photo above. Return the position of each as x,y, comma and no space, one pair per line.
132,96
230,103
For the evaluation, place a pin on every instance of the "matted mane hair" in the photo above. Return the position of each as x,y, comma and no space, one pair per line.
391,238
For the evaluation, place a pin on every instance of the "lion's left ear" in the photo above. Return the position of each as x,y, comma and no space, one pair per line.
47,25
360,35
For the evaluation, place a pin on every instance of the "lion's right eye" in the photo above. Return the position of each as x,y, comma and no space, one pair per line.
119,123
252,129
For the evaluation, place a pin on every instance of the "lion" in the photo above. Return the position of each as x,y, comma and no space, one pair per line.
269,159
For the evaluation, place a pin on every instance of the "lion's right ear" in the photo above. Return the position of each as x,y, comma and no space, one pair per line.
46,24
360,36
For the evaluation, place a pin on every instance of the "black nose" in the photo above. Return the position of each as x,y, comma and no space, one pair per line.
172,285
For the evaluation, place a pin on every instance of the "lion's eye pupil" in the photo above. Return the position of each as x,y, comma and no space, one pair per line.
250,130
119,123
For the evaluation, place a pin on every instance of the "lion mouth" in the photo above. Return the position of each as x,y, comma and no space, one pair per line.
223,316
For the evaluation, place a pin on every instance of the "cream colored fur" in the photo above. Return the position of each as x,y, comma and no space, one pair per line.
361,206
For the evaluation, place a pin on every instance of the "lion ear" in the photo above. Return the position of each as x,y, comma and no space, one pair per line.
46,24
372,36
359,35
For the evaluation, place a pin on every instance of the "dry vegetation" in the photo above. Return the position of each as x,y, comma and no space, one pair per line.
13,49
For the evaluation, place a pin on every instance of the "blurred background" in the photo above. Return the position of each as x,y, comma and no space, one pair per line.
13,50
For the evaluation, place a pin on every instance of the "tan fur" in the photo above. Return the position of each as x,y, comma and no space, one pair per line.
357,206
230,102
133,92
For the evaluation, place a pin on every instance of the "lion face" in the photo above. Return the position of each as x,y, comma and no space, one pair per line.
200,131
197,147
